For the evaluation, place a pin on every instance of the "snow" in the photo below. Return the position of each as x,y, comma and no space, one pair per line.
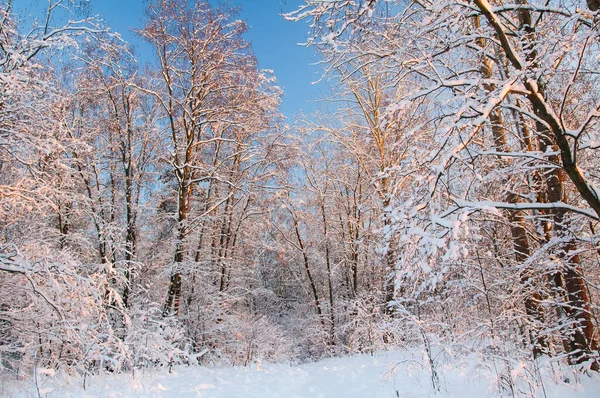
391,374
48,372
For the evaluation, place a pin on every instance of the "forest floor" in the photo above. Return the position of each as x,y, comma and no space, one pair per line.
389,375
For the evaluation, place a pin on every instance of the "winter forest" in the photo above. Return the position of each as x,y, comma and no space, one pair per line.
445,198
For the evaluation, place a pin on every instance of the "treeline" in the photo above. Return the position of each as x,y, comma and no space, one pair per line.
164,214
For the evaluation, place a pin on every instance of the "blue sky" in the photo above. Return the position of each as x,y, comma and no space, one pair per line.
274,41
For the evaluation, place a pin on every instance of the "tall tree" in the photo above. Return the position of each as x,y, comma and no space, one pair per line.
212,99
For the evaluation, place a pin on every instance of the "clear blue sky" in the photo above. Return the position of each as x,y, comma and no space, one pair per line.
274,41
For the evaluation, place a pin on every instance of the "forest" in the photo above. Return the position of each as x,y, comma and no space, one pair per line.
446,196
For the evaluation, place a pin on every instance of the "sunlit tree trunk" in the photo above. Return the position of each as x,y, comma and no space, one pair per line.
518,229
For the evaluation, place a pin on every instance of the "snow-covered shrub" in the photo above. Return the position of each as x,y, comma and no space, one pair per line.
153,340
53,315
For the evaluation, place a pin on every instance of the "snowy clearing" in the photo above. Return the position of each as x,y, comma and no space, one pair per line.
392,374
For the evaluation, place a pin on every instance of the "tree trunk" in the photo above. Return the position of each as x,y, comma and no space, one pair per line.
174,291
329,274
313,286
521,246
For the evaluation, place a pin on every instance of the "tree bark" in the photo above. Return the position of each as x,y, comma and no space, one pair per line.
329,274
313,286
521,247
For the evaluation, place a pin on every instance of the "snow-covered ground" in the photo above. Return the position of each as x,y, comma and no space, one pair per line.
388,375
